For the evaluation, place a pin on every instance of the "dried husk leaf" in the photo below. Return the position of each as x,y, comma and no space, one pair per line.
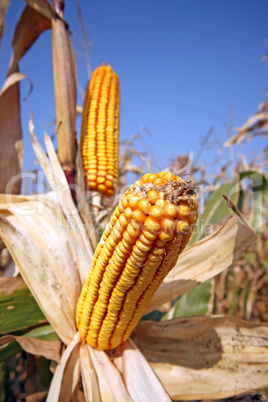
82,203
205,259
29,27
37,396
11,151
139,378
258,121
89,378
67,374
43,7
57,180
71,379
3,8
111,385
11,80
69,207
8,285
47,257
64,72
206,357
49,349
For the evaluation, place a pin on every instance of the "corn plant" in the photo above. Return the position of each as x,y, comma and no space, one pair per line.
80,302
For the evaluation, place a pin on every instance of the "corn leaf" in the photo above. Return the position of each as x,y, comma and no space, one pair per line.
18,308
206,357
215,210
205,259
194,302
259,189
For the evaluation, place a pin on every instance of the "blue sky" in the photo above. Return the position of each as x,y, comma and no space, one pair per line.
183,66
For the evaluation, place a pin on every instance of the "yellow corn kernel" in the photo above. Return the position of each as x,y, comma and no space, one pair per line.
138,248
100,131
153,196
170,210
156,212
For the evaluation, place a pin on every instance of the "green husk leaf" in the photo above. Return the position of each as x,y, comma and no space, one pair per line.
195,302
215,210
259,188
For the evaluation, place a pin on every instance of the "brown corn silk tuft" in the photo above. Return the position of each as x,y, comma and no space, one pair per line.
100,131
148,230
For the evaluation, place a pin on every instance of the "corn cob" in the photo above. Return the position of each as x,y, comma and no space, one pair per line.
148,230
100,131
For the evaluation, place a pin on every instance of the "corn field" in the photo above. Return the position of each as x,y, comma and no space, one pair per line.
111,290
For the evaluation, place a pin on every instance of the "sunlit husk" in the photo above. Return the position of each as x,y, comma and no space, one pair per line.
67,374
139,378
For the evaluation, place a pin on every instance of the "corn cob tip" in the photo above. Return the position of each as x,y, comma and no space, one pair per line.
167,189
148,230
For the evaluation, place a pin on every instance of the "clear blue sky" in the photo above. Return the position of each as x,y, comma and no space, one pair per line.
183,65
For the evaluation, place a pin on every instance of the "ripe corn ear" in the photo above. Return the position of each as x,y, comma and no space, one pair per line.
148,230
100,131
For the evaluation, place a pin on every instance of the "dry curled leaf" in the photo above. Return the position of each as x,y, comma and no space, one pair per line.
29,27
258,121
3,8
49,349
43,7
11,151
206,357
